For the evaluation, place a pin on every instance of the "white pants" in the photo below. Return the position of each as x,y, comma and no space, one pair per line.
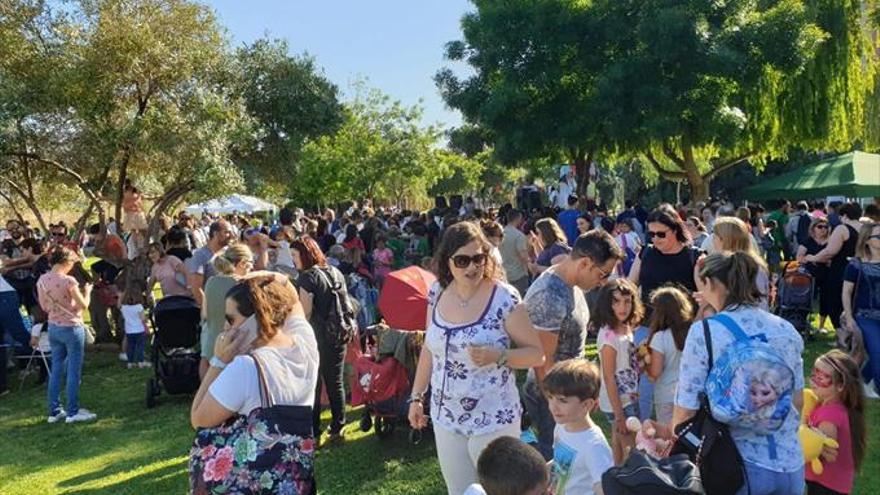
458,454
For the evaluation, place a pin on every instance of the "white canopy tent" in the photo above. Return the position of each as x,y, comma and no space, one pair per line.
235,203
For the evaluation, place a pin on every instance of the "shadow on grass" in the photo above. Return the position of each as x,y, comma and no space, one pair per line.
150,481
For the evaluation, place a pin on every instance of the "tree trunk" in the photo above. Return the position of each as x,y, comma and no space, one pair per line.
699,183
581,163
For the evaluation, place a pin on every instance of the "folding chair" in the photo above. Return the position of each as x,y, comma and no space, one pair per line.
27,371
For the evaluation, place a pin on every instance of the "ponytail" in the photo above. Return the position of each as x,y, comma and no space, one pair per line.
737,271
225,262
267,299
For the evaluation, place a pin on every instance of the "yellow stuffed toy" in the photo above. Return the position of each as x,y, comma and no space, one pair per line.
813,440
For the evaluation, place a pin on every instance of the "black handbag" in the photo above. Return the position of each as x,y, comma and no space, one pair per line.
642,473
708,443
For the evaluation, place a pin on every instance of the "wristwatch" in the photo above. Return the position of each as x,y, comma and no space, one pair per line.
217,363
416,398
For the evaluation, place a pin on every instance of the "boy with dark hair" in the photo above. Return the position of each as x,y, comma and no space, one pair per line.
508,466
581,453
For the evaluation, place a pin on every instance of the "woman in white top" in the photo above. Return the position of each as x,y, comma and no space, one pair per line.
473,320
264,318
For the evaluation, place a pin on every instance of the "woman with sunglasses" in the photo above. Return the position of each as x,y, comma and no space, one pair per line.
473,321
231,265
861,299
265,359
816,242
840,247
668,259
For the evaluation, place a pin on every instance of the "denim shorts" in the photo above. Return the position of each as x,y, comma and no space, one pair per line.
630,410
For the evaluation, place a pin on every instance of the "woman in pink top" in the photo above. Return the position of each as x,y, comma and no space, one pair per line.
168,270
837,382
64,301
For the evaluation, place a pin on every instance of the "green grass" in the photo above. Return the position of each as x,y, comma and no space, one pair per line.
133,450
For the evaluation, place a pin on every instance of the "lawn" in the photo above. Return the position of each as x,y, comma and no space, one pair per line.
133,450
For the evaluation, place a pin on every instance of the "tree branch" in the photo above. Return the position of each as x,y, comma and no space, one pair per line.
666,174
670,153
719,168
12,206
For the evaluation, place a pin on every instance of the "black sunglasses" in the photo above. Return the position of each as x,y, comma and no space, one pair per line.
659,235
463,260
822,227
57,234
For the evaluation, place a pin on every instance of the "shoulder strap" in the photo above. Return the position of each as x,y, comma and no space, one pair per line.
265,397
330,283
708,342
731,326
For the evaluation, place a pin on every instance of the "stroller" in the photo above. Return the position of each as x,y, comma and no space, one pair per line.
795,297
175,351
384,376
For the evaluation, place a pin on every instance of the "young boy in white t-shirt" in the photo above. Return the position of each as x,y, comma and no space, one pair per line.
581,453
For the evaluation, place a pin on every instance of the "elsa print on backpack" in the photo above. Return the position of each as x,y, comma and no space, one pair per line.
751,385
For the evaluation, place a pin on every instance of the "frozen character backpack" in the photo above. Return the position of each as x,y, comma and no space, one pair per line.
750,385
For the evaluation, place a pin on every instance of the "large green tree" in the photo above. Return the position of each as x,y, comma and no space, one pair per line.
381,152
530,89
291,101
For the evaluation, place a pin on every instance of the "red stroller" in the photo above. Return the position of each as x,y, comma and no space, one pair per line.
386,373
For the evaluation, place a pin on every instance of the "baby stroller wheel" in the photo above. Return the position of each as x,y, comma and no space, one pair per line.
366,422
384,427
152,392
415,436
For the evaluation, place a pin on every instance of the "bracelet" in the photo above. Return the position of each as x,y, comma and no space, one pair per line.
217,363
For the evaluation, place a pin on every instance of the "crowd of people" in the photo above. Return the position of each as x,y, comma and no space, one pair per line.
520,289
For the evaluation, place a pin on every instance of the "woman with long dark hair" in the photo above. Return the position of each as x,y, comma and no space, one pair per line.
318,282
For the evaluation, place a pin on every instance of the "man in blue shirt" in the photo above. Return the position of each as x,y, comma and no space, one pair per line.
568,220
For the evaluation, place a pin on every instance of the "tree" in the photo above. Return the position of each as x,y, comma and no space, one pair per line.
534,87
458,174
699,87
291,101
381,152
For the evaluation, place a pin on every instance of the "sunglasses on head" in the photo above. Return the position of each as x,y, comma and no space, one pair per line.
660,235
463,260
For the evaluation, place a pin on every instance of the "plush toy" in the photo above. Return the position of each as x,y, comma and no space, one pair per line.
811,400
646,440
643,353
812,443
812,440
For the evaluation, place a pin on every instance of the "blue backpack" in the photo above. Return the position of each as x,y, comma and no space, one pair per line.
750,386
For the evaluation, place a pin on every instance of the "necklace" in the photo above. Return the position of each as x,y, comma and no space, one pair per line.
463,302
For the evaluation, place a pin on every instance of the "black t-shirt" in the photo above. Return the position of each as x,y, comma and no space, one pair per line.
660,269
314,282
10,248
106,271
818,270
180,253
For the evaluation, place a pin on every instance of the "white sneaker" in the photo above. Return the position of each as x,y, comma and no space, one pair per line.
57,417
870,393
82,415
130,365
145,364
123,356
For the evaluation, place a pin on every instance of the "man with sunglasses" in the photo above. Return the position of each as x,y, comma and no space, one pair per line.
559,312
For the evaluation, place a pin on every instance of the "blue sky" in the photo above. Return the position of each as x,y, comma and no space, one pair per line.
397,45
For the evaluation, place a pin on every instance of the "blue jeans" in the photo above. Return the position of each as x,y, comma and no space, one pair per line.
761,481
646,387
539,413
871,335
68,344
11,322
136,342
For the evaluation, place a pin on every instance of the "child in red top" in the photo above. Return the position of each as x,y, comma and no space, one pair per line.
840,415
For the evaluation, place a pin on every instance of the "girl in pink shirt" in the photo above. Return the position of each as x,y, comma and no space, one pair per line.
383,258
840,415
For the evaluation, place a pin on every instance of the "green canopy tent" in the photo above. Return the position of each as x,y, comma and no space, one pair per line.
853,175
